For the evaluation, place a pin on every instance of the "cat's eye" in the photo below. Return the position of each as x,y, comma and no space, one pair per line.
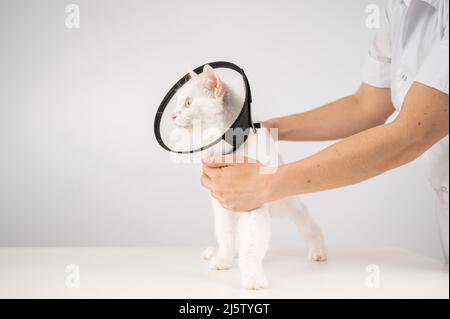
188,102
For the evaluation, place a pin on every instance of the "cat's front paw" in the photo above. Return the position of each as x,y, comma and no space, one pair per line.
220,263
254,281
317,250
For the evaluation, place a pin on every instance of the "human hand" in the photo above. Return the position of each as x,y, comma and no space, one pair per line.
236,182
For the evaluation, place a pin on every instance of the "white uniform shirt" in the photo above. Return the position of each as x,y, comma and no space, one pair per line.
412,46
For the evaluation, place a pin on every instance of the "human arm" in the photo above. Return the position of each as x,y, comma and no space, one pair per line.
422,122
368,107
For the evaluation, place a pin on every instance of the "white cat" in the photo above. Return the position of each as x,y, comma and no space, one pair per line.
207,100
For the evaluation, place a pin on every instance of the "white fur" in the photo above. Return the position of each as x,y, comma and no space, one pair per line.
246,234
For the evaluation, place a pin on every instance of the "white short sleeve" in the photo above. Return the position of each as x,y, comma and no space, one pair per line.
434,71
376,73
377,65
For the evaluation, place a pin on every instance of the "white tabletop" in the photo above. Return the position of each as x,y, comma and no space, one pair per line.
180,273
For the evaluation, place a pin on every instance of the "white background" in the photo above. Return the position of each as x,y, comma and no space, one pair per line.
79,164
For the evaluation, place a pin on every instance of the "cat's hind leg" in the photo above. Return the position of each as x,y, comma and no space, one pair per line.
297,212
317,250
254,236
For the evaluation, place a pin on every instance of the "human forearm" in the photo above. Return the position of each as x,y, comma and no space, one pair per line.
355,159
371,152
367,108
331,121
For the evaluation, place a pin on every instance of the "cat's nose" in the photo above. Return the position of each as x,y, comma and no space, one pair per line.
173,116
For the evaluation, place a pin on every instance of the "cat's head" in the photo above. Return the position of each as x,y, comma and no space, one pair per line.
200,99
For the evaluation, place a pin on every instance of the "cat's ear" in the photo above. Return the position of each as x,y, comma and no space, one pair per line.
213,82
193,75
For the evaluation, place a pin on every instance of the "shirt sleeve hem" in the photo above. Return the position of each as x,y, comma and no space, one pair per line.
376,73
434,71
